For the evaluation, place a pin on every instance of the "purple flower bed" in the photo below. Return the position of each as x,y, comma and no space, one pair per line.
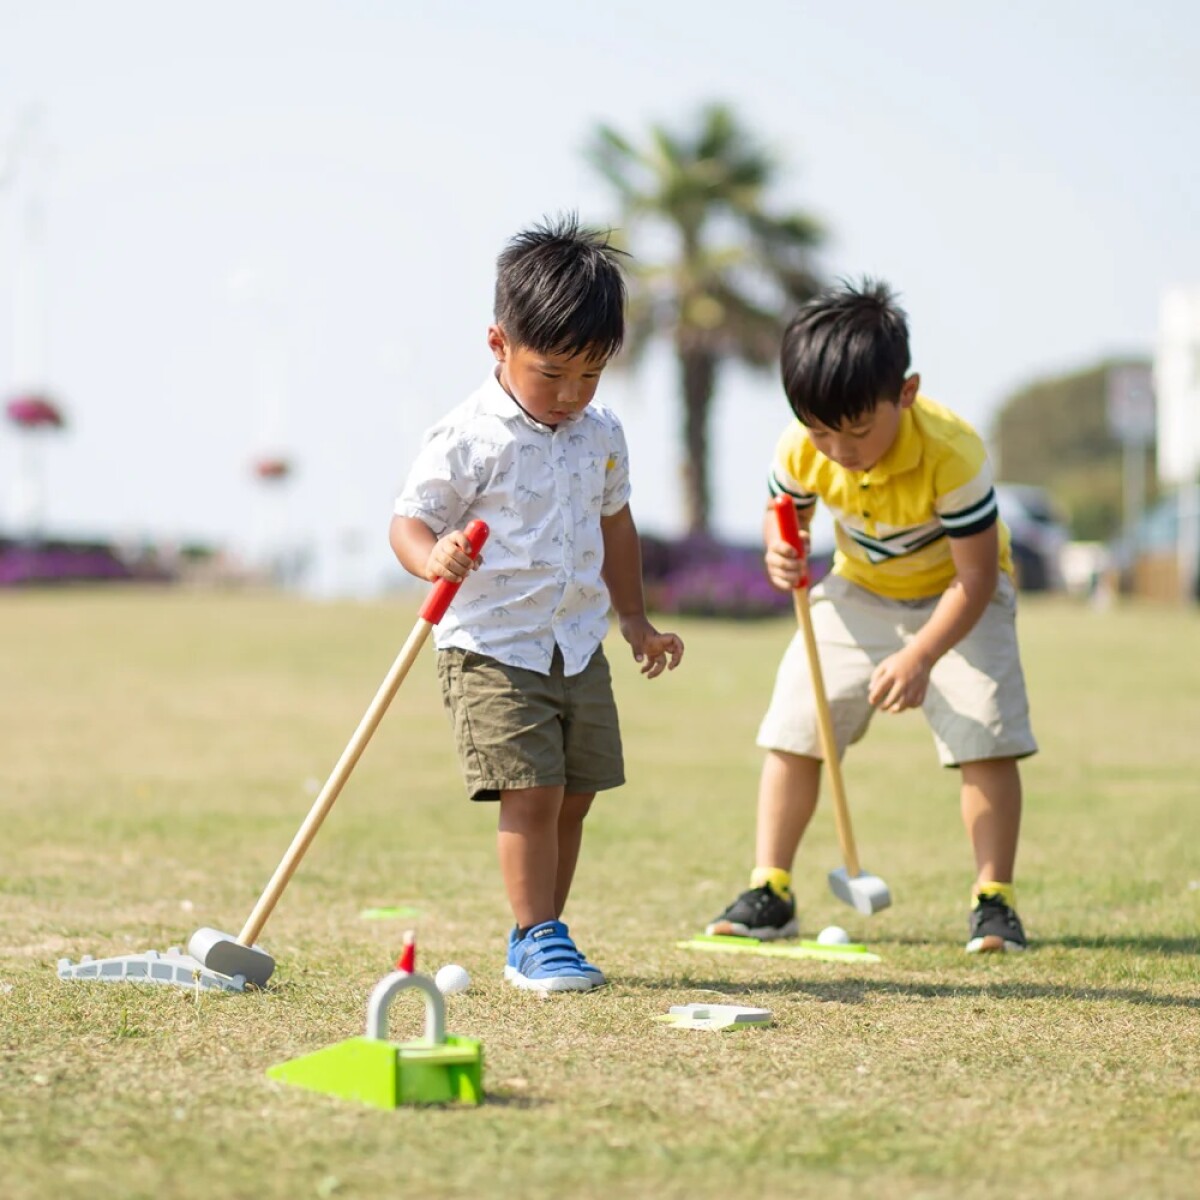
703,577
38,563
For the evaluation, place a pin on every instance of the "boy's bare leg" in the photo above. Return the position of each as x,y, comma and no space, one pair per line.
991,813
528,841
575,807
787,797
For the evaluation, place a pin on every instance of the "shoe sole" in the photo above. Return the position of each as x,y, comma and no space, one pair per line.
597,977
768,933
992,944
553,983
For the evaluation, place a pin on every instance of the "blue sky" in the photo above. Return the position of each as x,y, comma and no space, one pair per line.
272,225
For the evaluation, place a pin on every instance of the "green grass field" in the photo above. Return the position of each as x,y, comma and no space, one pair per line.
159,749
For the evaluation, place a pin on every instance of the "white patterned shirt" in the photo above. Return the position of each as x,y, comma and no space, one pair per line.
542,491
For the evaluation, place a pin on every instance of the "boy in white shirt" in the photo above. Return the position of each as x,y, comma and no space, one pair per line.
523,672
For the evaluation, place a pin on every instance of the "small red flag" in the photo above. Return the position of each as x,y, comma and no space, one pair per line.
408,954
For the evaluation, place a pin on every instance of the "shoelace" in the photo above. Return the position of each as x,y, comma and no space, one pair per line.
763,898
995,904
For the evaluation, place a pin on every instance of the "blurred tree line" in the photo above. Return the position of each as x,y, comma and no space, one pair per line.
1055,433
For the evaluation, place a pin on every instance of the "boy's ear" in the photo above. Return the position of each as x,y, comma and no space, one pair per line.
497,342
909,389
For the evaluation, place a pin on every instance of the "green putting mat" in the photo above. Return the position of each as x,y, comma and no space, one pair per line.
719,943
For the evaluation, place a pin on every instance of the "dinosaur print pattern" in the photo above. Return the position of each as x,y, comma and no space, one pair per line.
543,492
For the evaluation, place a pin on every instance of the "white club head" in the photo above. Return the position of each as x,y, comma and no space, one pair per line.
223,953
864,893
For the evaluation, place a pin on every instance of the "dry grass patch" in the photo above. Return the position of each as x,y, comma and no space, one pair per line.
160,749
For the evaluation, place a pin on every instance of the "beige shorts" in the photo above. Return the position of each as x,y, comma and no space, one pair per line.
515,728
976,704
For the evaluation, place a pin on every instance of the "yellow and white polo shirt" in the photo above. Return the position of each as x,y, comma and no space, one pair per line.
893,523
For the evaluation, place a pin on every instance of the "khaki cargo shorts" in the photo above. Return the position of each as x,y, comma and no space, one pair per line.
514,728
976,704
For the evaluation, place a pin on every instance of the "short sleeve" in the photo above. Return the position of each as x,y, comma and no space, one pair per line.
441,485
965,498
616,471
785,467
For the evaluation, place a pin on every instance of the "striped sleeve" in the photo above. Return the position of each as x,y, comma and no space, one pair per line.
966,500
781,479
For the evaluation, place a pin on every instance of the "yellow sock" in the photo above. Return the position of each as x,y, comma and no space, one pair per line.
1006,891
776,878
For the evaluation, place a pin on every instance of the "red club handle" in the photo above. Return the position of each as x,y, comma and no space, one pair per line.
438,600
789,530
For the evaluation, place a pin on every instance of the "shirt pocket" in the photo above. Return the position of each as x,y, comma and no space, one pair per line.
589,484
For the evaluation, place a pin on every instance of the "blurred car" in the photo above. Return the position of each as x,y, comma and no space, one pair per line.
1039,535
1159,558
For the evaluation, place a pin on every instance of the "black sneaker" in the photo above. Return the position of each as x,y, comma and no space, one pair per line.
759,913
994,927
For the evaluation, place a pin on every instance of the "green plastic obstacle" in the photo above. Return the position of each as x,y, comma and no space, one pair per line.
436,1069
722,943
388,912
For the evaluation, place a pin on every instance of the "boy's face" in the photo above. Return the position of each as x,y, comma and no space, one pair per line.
859,444
549,387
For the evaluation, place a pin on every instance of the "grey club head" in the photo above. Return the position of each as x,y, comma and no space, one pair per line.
864,893
223,953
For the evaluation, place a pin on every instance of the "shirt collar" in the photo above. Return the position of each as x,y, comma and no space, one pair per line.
903,454
497,402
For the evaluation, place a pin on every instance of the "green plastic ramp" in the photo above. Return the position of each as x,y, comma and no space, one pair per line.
721,943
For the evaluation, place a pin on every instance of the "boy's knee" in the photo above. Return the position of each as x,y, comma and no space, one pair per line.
576,806
530,808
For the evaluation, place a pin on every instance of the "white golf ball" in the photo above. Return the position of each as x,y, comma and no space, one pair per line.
452,978
833,935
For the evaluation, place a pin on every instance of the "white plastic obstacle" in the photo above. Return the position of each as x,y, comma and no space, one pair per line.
715,1016
173,968
388,988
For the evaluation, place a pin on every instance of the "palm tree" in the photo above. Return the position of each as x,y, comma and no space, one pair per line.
734,271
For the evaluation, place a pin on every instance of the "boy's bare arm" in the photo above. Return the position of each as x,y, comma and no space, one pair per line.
622,574
900,681
422,553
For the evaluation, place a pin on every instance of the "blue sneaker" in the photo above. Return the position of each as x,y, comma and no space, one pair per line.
593,972
546,960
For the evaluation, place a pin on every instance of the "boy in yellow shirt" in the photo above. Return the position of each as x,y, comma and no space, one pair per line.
919,610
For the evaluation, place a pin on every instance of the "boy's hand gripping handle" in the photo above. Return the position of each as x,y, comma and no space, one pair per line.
438,600
789,530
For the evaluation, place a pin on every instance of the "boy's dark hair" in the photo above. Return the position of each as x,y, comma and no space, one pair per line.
844,352
559,290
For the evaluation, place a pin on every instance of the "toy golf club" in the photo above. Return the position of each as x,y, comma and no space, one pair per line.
220,960
865,893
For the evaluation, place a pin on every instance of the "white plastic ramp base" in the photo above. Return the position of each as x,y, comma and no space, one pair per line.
714,1016
173,968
